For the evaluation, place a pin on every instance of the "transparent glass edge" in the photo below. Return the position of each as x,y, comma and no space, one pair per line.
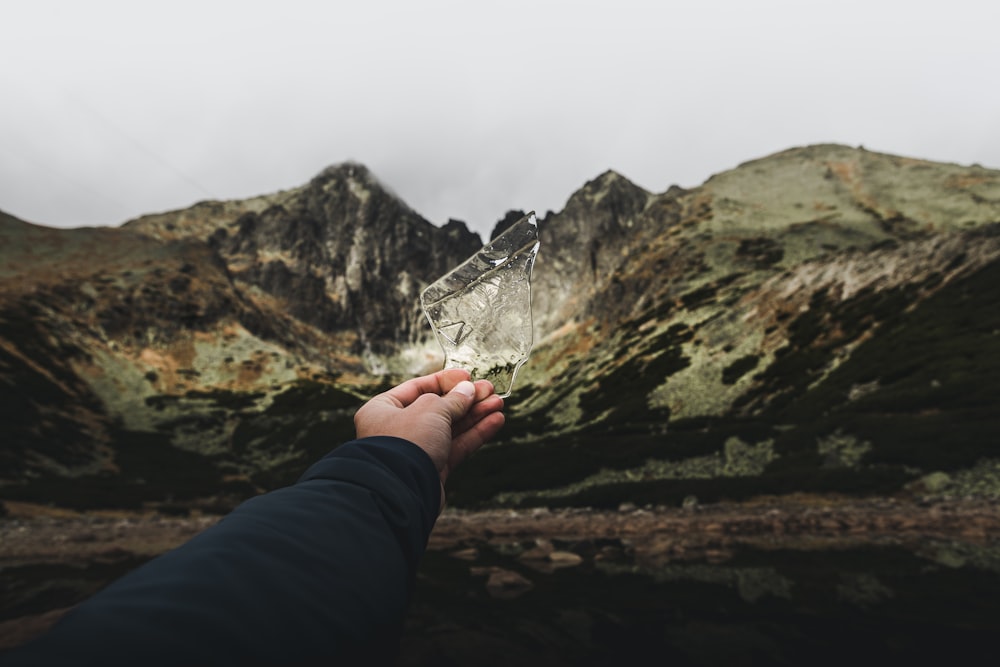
535,244
474,265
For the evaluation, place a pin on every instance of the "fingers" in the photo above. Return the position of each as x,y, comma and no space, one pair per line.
485,402
483,389
448,378
439,383
459,400
480,409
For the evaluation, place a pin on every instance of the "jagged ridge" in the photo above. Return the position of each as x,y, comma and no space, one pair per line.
713,332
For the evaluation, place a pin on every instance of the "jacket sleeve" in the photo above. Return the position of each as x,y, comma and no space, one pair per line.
320,571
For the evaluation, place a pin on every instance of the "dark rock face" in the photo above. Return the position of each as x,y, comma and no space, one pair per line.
582,249
341,254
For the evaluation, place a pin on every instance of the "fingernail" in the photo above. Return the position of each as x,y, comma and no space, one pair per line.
465,387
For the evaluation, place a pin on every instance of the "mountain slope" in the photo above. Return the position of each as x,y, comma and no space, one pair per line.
100,329
738,309
823,319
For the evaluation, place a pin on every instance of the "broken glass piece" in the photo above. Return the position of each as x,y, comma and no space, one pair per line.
481,310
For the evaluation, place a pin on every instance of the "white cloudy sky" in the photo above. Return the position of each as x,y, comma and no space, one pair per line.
113,109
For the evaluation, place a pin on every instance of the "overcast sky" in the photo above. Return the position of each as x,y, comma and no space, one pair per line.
109,110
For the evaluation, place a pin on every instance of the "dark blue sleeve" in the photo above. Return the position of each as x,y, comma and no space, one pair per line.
318,572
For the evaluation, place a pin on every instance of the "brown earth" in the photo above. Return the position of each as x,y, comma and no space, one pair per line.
545,539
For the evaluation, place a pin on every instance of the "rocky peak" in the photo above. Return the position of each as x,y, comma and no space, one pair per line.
505,223
582,245
343,253
346,169
354,181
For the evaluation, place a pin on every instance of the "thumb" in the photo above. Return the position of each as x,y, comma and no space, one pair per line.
459,400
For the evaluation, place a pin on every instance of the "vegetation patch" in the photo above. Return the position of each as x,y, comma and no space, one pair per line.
623,391
224,398
871,482
841,449
739,368
564,460
761,251
305,396
737,459
148,470
933,369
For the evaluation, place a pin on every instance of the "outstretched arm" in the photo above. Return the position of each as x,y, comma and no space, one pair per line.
314,572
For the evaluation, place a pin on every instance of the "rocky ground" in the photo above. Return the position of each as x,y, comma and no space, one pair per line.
96,548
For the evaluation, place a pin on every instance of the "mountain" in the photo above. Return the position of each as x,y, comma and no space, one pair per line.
821,320
191,355
342,254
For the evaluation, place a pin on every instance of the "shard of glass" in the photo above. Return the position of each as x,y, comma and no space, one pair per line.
480,311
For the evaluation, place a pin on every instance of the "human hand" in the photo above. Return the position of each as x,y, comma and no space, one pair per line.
444,414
